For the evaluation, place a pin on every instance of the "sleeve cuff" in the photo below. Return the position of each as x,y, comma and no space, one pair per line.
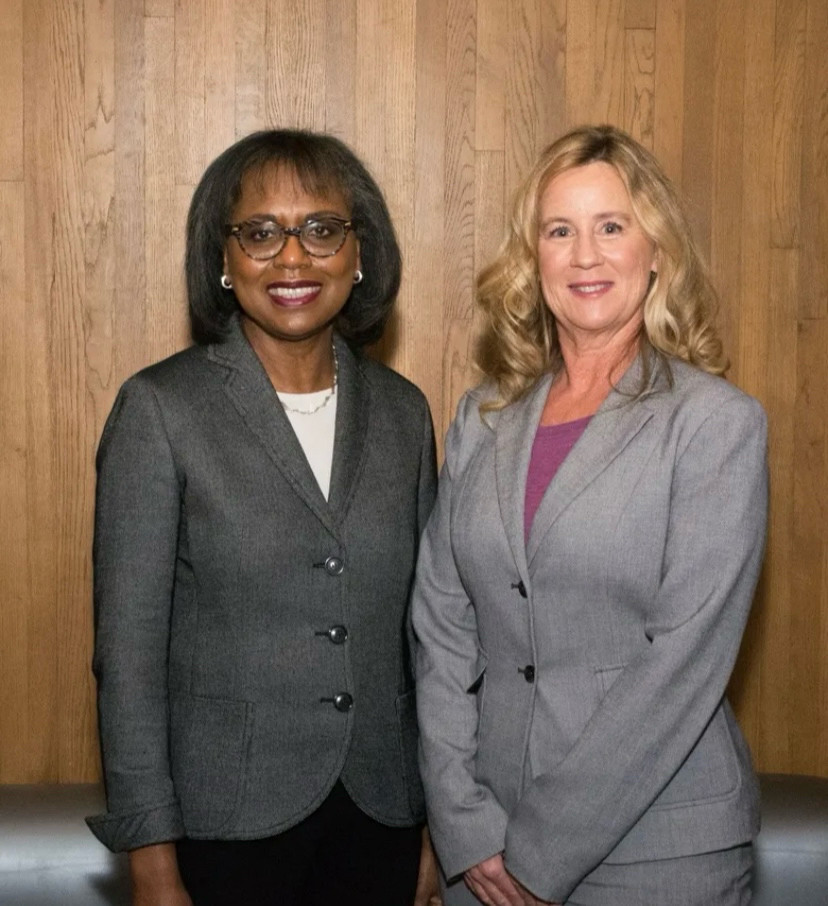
122,832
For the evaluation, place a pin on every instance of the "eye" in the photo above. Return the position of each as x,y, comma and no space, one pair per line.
612,227
261,232
321,229
561,231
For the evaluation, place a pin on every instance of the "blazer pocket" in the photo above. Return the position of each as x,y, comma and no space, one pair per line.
209,739
406,705
709,773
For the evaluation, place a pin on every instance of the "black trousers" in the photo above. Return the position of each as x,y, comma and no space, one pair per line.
337,856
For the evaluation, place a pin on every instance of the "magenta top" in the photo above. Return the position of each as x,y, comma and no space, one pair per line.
550,448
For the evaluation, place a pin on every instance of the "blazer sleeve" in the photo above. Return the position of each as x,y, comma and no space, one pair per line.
570,819
427,488
448,663
135,545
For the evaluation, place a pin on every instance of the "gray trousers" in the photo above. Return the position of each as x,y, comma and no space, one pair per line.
711,879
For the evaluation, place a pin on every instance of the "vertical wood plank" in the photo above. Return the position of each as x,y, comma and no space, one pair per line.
813,186
809,520
668,102
219,77
251,67
609,61
789,69
460,214
190,50
99,209
698,134
11,98
41,642
340,64
727,185
160,264
552,116
385,93
295,46
492,70
129,317
639,84
580,63
640,14
424,262
15,526
765,316
159,8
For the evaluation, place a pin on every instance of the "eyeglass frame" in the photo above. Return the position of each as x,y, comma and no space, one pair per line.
234,229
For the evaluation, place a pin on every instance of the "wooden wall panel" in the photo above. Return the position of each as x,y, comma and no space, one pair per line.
112,109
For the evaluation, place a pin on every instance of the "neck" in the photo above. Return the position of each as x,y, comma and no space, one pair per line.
585,380
295,366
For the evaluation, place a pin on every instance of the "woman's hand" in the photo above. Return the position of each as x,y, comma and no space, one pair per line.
427,886
492,884
155,878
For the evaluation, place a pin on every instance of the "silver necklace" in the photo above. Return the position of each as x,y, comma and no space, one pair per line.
325,399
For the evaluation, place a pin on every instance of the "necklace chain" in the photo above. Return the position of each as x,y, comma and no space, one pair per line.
326,399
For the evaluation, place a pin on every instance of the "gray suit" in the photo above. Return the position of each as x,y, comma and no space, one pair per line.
571,686
235,606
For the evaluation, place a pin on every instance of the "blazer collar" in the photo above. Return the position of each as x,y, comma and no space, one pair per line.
251,393
611,429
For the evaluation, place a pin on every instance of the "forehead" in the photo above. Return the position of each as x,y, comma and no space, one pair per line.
590,188
279,189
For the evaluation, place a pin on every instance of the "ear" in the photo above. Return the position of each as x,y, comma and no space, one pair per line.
224,260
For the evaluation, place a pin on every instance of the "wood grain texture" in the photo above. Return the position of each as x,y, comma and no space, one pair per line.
112,109
11,97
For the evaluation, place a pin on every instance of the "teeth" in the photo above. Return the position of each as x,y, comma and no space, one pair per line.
589,287
291,292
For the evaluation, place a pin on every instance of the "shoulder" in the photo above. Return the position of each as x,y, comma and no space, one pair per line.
176,370
390,386
694,388
169,384
698,401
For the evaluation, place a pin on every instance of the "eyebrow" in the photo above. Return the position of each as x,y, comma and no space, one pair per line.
313,215
604,215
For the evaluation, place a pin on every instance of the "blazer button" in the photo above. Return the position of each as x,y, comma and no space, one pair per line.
334,566
338,635
521,588
528,673
343,701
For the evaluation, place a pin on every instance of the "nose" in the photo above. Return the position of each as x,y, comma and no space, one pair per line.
586,251
292,254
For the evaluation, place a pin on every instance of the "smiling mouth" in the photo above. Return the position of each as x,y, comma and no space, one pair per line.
294,294
590,289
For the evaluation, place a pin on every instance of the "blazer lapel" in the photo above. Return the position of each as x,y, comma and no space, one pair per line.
515,434
614,425
251,393
353,408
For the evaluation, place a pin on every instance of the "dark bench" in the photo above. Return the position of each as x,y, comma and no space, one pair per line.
48,857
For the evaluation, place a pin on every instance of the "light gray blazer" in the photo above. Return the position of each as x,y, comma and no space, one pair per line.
571,687
220,571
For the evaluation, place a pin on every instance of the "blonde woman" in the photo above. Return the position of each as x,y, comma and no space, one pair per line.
587,572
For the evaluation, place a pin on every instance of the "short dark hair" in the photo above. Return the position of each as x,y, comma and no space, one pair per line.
322,164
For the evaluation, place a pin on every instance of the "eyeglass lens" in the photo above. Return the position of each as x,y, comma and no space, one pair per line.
320,238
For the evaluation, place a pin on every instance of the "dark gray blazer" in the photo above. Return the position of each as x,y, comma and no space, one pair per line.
571,686
236,610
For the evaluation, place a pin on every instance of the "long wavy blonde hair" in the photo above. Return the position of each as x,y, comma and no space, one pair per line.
519,340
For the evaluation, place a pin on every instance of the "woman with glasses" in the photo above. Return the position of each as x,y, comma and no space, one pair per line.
259,505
